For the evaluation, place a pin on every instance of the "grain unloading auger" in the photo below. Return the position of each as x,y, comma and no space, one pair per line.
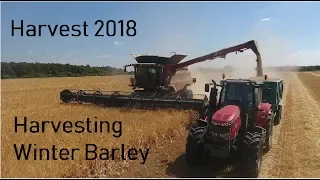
158,82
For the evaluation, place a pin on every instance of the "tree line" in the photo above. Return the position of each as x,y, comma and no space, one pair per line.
296,68
36,70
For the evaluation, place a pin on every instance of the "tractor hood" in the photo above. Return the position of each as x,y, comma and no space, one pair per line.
226,115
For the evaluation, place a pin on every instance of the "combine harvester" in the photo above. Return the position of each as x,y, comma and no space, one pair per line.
158,82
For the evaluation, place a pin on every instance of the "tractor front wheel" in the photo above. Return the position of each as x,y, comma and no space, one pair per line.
194,148
252,155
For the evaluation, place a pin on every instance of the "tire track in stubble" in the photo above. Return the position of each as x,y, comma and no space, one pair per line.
269,158
315,74
297,154
282,149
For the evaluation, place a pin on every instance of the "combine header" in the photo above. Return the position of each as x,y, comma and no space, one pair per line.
159,82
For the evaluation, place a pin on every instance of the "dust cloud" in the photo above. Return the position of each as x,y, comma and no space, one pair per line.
203,77
275,51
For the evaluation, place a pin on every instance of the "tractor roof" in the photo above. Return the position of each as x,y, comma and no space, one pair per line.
175,59
268,79
274,79
241,81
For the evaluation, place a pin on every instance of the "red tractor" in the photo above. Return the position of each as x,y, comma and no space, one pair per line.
238,124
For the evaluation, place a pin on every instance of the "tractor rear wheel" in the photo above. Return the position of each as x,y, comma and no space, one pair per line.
194,148
252,155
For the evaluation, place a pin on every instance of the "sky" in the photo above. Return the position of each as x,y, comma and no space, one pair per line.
288,33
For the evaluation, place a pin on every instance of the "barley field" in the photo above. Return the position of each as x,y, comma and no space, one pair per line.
296,140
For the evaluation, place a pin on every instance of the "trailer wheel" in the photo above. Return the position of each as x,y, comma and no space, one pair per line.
280,113
252,155
269,134
195,149
278,116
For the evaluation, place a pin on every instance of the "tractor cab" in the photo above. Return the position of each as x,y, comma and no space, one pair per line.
237,92
244,93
